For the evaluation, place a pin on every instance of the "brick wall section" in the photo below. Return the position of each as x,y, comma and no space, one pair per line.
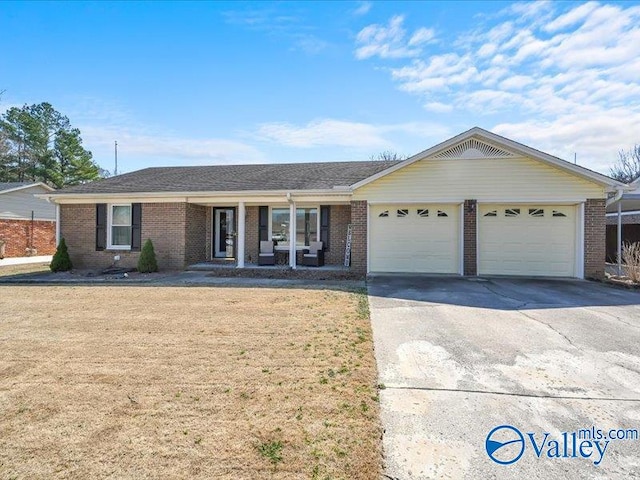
339,218
17,237
163,223
359,237
594,238
195,234
469,240
251,234
209,233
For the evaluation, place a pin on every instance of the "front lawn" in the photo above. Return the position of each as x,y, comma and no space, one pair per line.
160,382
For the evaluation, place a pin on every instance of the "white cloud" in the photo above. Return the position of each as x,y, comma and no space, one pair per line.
563,77
391,41
342,133
363,8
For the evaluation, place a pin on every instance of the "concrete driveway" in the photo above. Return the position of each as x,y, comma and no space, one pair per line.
460,357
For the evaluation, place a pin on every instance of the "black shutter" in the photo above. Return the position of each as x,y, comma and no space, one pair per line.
263,222
101,226
325,214
136,226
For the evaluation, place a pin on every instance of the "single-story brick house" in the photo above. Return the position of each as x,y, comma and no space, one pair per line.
476,204
27,223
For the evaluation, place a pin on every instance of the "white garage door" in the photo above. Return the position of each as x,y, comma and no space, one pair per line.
537,240
415,238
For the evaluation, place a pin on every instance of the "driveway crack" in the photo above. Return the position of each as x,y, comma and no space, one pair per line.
548,325
511,394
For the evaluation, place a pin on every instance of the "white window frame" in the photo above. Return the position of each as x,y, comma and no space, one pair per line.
282,207
110,225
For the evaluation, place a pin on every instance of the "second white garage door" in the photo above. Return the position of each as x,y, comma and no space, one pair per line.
415,238
532,240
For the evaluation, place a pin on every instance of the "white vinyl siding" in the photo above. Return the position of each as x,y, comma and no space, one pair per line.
489,180
529,240
407,238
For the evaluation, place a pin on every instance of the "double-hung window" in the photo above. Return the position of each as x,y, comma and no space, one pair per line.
119,231
307,221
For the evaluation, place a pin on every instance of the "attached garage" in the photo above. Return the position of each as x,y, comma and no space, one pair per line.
529,240
511,210
415,238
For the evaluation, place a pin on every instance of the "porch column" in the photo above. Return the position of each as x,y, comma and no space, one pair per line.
292,234
241,228
620,237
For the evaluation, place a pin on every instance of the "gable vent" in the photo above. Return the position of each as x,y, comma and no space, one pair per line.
473,148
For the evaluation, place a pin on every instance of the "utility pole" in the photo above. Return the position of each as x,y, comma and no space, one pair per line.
115,172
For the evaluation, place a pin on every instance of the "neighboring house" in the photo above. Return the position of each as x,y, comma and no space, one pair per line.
628,208
27,223
477,204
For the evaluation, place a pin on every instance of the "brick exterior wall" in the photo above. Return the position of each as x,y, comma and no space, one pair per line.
195,234
470,240
17,236
594,238
339,218
359,237
251,234
164,223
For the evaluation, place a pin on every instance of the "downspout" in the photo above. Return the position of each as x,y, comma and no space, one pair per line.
617,198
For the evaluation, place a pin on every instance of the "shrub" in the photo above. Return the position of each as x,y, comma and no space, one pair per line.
147,262
631,259
61,261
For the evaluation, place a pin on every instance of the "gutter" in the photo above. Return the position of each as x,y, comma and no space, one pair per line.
616,197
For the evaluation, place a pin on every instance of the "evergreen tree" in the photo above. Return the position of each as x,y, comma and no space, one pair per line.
147,261
61,261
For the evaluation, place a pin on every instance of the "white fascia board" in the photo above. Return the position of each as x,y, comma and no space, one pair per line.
198,197
500,141
31,185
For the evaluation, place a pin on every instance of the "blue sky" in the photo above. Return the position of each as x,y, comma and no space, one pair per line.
255,82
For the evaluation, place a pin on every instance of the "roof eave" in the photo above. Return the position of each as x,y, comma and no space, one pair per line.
31,185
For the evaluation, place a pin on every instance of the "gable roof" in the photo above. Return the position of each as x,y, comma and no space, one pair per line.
13,186
496,146
234,178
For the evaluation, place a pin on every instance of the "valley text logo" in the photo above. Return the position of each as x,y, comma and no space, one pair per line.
506,444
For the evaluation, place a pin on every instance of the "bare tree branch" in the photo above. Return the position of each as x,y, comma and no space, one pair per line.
627,168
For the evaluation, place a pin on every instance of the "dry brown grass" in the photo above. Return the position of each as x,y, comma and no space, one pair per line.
6,270
143,382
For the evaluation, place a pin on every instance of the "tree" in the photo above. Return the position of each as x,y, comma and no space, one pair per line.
147,261
627,168
37,143
388,155
61,262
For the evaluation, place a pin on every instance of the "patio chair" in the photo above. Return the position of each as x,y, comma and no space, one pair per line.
314,255
266,255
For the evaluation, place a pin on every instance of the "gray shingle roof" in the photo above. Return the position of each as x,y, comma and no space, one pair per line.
10,185
225,178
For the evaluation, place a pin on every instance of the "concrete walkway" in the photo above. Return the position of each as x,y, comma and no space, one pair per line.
25,260
461,357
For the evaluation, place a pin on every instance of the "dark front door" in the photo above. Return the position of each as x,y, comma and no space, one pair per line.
224,228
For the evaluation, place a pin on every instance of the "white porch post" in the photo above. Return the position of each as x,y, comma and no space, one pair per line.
292,234
57,224
241,228
620,237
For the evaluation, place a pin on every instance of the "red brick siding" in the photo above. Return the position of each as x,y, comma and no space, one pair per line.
196,234
163,223
251,234
17,236
470,239
339,219
359,237
594,238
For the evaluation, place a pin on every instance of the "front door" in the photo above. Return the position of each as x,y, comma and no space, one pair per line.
224,233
